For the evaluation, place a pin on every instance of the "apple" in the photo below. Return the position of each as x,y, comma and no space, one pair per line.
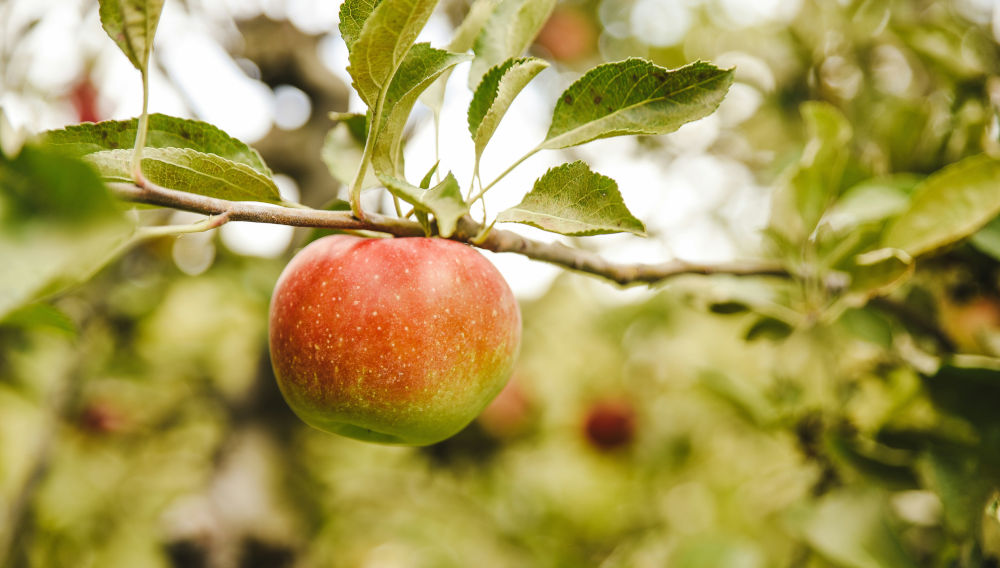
610,424
397,340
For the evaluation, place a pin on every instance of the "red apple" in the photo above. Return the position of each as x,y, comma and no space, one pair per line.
398,341
610,424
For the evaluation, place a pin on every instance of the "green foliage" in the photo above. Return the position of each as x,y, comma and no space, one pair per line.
635,97
950,205
494,95
385,39
422,66
59,224
132,25
164,132
444,200
188,170
572,200
507,33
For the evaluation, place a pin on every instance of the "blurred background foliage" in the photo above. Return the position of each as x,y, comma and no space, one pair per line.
706,422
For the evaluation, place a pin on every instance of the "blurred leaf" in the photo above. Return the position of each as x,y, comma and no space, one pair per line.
164,132
342,153
353,14
40,315
465,36
948,206
635,97
970,392
132,25
852,529
59,223
421,67
572,200
383,43
876,272
809,187
957,478
987,239
768,328
508,33
868,325
717,551
500,85
184,169
871,201
444,200
744,398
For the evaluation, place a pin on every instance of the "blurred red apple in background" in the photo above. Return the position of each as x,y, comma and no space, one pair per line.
610,424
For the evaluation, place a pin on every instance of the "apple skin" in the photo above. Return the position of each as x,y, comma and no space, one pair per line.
396,341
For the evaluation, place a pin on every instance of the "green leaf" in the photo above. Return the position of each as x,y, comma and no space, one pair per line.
444,200
872,200
465,36
852,529
184,169
808,188
948,206
38,315
876,272
508,33
572,200
426,181
495,94
132,25
987,239
383,43
635,97
353,14
422,66
58,223
342,151
164,132
958,479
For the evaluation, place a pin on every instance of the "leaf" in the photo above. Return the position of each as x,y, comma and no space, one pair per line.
426,181
851,528
877,272
808,188
38,315
948,206
132,25
495,94
353,14
987,239
507,33
444,200
872,200
957,477
342,153
57,224
572,200
164,132
635,97
383,43
422,66
187,170
465,36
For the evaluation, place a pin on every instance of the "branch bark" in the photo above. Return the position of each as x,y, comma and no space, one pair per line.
497,240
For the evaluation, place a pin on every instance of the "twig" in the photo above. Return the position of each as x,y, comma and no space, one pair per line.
497,240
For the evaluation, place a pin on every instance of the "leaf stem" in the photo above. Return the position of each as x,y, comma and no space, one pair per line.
143,127
520,160
366,157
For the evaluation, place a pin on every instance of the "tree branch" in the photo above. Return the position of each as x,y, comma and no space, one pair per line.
497,240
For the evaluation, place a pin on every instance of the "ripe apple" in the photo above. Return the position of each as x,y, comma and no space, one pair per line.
610,424
398,341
